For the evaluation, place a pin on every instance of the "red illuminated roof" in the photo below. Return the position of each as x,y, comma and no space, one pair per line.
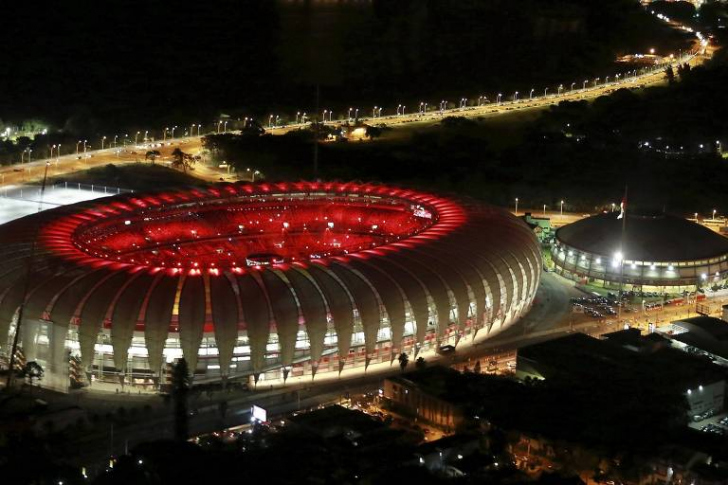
241,225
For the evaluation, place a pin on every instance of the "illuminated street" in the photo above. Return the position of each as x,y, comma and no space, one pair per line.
364,242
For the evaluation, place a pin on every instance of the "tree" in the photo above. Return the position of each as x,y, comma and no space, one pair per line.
152,155
32,370
670,74
403,360
182,160
373,132
476,368
683,70
181,383
222,408
420,363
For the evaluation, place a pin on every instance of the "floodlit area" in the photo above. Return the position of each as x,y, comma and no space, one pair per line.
18,201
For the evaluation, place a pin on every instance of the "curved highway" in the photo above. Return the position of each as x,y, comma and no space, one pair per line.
504,103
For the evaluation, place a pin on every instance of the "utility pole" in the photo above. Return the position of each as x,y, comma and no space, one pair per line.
315,136
621,251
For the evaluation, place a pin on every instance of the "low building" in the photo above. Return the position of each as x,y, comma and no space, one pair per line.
423,398
626,355
701,335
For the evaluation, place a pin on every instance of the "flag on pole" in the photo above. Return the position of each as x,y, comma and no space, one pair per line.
622,207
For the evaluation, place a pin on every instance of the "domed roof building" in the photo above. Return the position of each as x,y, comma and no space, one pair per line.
658,250
264,281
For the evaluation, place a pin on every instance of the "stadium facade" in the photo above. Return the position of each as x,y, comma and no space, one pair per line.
262,281
657,251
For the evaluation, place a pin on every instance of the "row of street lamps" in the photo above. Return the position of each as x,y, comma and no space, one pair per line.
327,115
561,208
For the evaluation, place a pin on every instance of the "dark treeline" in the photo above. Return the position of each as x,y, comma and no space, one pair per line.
582,152
90,67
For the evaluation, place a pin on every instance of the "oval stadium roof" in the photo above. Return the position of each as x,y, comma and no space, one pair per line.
647,238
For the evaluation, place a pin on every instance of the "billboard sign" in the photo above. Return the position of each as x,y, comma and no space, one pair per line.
259,414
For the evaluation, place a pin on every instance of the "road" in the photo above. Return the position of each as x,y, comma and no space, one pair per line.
83,160
33,172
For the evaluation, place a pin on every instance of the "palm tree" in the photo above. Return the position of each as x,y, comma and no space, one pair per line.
182,160
403,360
181,383
420,363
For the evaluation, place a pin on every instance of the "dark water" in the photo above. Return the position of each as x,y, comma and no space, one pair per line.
90,65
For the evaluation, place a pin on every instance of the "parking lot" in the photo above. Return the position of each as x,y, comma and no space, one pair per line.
598,307
711,422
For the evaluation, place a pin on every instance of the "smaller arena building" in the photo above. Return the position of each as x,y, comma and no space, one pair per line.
657,251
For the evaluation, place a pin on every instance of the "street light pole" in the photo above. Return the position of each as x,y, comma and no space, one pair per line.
562,209
516,205
546,90
530,95
103,140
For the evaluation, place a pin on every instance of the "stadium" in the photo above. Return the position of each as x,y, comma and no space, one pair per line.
658,252
258,282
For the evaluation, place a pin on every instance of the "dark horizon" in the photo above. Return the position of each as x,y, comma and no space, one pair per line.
132,65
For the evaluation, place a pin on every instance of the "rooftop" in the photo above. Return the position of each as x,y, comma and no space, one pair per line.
660,238
579,356
715,327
